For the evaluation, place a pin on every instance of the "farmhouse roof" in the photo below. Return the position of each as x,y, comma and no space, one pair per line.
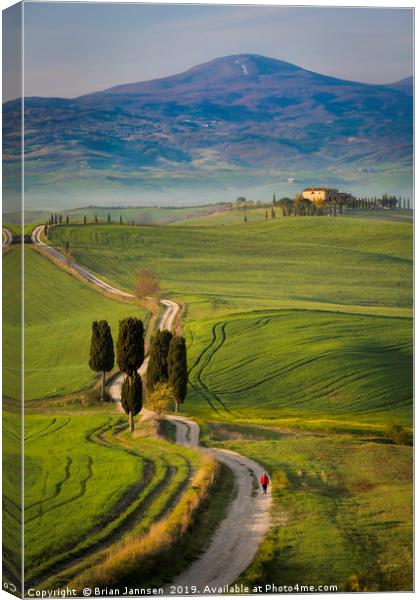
315,189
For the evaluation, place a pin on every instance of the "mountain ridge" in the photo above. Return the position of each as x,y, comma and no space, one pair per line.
404,84
242,117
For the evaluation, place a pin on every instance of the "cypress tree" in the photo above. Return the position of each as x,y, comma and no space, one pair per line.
177,369
130,345
130,355
101,351
84,219
131,397
60,218
96,218
157,369
109,217
120,219
67,219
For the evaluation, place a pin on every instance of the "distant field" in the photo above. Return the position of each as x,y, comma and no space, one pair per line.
142,215
304,366
342,512
145,215
397,216
237,216
152,215
357,265
59,311
228,217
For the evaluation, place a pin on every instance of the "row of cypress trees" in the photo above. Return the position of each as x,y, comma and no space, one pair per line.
167,362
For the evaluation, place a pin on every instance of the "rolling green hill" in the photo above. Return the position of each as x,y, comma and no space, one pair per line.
299,339
342,512
90,488
236,216
233,216
353,265
293,318
296,366
144,215
59,311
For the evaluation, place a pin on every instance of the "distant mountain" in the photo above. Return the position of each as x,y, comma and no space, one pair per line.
404,85
242,115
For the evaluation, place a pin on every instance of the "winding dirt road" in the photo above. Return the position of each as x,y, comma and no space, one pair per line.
6,238
166,322
236,539
238,536
84,273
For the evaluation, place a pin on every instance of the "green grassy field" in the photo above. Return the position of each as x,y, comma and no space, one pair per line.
303,324
236,216
145,215
67,474
343,352
233,216
400,215
342,511
302,365
59,311
344,264
98,490
82,462
12,491
12,323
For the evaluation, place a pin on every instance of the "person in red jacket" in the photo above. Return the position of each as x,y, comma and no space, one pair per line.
264,482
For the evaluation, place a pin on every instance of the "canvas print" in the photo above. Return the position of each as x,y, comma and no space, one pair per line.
207,299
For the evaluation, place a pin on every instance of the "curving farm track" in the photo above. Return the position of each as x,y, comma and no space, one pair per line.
166,322
236,540
238,536
6,239
84,273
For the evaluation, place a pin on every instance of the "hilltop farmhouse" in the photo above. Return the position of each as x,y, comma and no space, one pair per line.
320,196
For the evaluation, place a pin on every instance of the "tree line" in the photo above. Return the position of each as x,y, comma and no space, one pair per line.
300,206
167,369
59,219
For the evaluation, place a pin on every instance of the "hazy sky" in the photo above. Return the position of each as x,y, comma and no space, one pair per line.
74,48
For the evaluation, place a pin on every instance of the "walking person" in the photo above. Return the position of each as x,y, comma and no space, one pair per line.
264,482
